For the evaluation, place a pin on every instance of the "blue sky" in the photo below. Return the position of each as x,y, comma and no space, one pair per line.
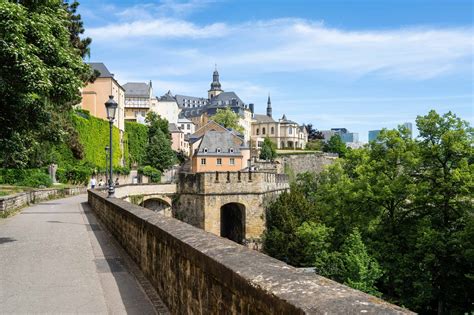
362,65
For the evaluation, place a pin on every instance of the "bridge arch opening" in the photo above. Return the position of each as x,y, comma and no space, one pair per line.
233,222
156,204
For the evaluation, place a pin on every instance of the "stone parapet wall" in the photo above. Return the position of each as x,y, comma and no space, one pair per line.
123,191
20,200
196,272
241,182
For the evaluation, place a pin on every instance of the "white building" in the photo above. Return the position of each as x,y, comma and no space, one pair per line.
186,126
167,107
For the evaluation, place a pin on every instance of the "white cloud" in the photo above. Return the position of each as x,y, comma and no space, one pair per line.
301,45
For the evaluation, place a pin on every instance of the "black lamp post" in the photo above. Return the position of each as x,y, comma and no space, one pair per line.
107,165
111,107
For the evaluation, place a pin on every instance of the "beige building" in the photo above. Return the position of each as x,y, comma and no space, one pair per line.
178,141
94,95
286,134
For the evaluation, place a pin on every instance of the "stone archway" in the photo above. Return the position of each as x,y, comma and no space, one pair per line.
233,222
157,204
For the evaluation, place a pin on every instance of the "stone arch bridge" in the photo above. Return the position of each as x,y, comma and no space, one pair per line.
228,204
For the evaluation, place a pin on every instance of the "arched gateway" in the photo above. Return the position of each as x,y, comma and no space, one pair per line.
233,222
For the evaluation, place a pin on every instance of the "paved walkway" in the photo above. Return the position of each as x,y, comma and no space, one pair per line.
55,258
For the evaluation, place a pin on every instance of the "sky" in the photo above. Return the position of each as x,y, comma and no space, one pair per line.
361,64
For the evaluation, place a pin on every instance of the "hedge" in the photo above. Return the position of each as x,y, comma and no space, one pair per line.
34,177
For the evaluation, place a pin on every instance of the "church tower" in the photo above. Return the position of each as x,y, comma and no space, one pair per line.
215,85
269,107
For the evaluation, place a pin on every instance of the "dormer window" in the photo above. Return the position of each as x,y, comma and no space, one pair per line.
205,150
218,150
231,150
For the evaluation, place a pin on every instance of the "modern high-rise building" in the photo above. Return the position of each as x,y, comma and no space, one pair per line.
373,134
349,137
409,126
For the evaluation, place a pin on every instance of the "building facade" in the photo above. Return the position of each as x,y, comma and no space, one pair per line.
94,95
167,107
138,99
179,142
373,134
286,134
217,151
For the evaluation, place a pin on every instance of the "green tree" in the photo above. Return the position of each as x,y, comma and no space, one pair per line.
361,271
227,118
158,150
41,74
336,145
268,150
445,182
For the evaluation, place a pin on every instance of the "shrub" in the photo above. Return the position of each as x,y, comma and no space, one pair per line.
153,174
74,174
25,177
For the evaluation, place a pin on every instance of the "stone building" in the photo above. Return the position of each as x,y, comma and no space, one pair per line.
94,95
285,133
167,108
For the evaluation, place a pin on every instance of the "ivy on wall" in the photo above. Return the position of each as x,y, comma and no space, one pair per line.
94,136
137,141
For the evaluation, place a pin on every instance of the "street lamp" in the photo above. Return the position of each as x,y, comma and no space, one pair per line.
111,107
107,165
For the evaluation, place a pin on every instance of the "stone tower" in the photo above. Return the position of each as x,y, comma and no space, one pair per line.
215,85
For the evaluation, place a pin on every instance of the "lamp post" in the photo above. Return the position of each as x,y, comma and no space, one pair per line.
111,107
107,165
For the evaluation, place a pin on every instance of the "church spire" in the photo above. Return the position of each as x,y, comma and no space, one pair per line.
269,107
215,85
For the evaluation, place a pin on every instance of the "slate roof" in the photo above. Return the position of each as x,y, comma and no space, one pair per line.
284,120
213,140
137,89
199,101
100,66
173,128
226,98
263,118
168,97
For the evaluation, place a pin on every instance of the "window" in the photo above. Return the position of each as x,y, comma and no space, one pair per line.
203,161
258,131
188,126
231,150
205,150
273,130
182,126
260,144
232,161
218,150
290,130
263,130
219,161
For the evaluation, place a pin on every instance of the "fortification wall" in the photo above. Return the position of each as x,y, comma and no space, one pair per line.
301,162
196,272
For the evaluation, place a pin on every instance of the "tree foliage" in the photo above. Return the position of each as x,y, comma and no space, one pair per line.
336,145
399,215
41,75
158,150
227,118
268,150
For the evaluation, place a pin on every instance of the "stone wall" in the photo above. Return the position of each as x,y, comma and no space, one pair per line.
200,197
196,272
300,163
20,200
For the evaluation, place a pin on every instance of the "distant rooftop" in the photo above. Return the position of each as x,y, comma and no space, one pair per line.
100,66
137,89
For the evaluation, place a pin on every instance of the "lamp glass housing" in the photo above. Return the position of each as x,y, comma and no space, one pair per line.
111,107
